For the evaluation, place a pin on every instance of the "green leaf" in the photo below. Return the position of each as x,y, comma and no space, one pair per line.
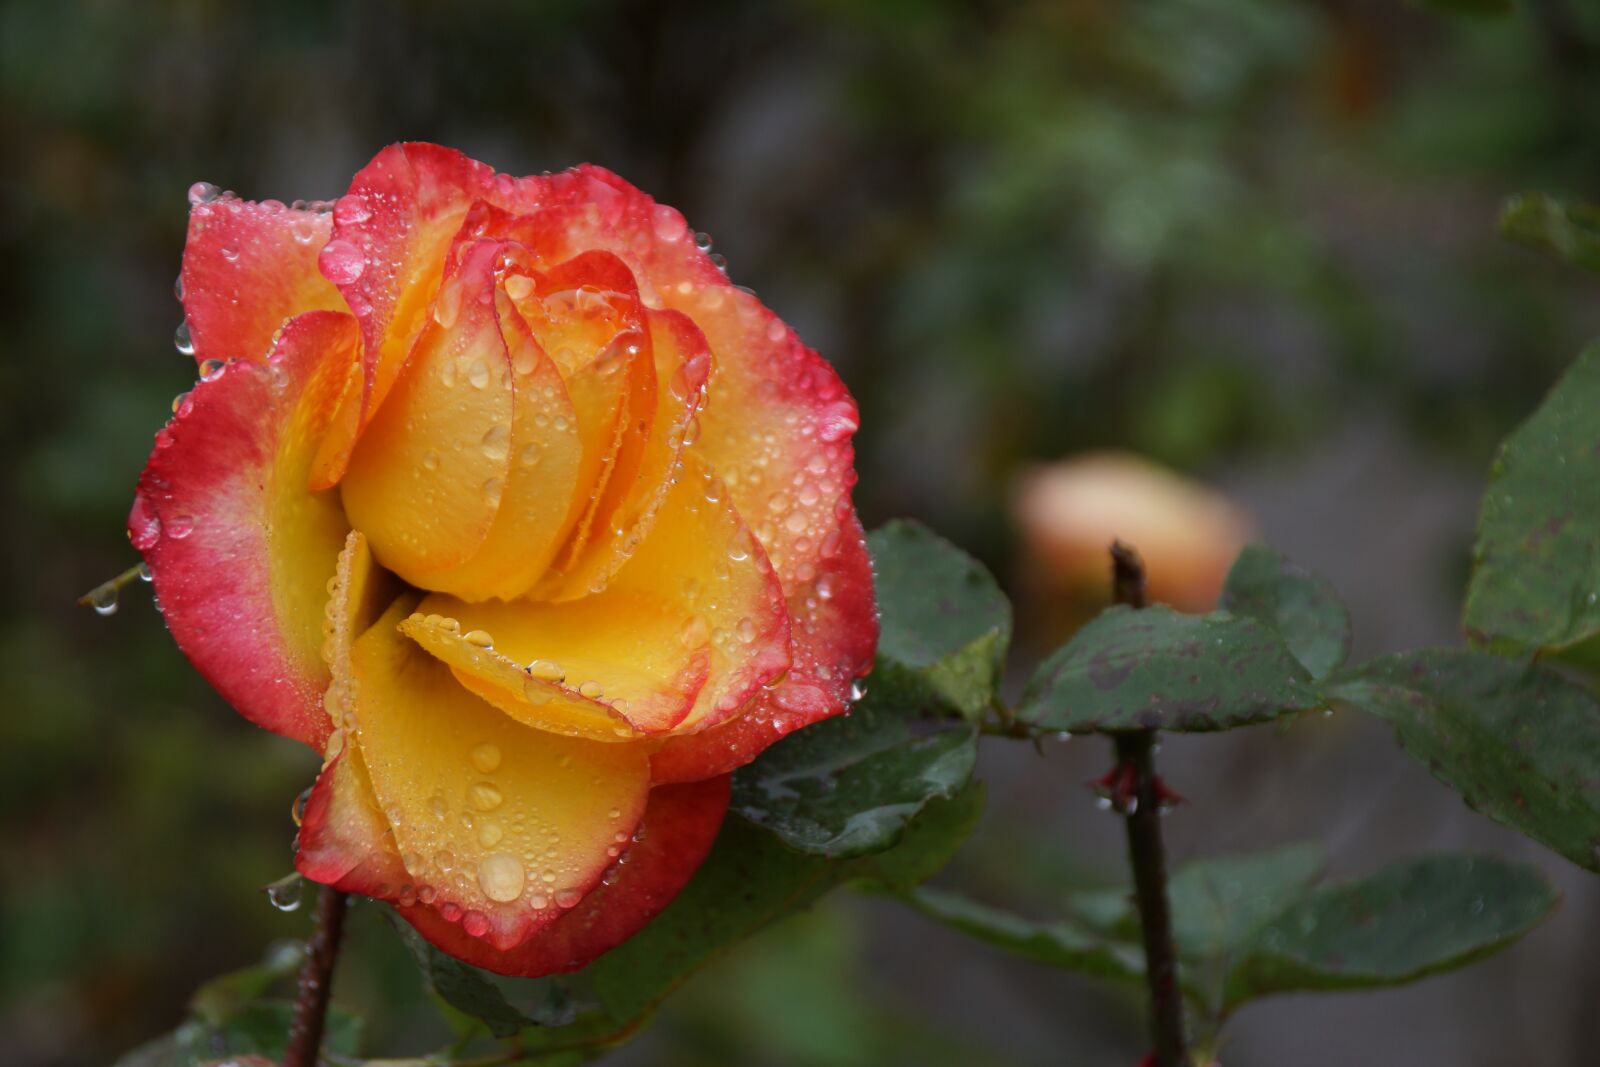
945,623
261,1029
462,986
1156,669
750,880
1061,943
1536,565
1219,902
1304,609
1411,919
848,786
1571,231
1520,743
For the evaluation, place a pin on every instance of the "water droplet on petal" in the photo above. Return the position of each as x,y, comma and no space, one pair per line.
485,796
181,339
486,757
211,369
501,876
202,193
341,262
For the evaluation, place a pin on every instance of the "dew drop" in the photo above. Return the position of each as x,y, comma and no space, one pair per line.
182,340
547,671
341,262
501,877
496,442
104,600
592,690
568,898
486,757
211,369
349,210
478,374
485,796
285,893
479,639
492,490
202,193
475,923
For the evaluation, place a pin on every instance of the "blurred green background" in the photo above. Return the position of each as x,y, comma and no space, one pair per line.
1252,239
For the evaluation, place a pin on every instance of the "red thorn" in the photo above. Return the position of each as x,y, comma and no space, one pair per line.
1166,797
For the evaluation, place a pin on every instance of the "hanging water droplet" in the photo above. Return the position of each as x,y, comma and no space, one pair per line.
285,893
858,690
104,600
202,193
211,369
181,340
177,288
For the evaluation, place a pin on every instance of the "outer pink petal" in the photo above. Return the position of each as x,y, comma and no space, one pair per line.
241,551
246,268
387,254
344,840
679,827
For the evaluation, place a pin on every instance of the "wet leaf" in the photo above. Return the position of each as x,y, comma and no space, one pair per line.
749,881
1061,943
1520,743
261,1029
1264,585
1157,669
848,786
945,623
1411,919
461,985
1536,565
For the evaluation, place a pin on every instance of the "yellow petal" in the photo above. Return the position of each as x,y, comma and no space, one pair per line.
691,627
427,477
544,451
504,826
634,495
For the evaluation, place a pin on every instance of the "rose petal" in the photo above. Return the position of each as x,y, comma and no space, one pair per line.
344,841
835,633
691,627
682,366
586,313
679,827
247,267
428,475
387,251
501,821
240,549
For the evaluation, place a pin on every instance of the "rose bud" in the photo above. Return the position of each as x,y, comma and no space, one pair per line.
1071,511
500,496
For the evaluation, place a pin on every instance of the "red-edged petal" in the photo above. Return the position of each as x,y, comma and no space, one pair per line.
835,623
387,252
679,828
240,549
246,268
344,840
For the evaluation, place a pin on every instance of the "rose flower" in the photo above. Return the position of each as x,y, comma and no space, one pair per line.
498,494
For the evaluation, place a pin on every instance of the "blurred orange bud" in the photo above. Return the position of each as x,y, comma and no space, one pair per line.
1070,511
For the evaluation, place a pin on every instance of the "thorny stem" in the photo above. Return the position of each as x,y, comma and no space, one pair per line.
1135,750
316,981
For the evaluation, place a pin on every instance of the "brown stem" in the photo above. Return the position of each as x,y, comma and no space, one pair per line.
316,981
1136,752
